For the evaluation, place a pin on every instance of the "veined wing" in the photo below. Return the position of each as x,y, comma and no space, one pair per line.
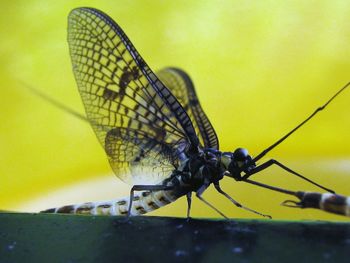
182,87
135,153
124,98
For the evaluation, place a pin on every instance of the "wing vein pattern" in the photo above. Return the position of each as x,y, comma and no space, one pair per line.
182,87
141,125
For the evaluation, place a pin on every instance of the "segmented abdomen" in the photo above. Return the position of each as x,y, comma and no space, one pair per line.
143,202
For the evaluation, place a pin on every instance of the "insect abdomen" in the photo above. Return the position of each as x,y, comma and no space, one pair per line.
143,202
332,203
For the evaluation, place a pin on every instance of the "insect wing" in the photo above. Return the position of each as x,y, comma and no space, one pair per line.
138,159
182,87
135,117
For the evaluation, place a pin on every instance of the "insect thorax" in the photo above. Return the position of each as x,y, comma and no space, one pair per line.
203,168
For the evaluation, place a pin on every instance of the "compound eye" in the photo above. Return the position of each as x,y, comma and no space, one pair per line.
240,154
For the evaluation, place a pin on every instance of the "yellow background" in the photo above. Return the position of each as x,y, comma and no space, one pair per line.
260,67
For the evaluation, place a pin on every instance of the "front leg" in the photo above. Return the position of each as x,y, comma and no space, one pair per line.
218,188
272,162
199,195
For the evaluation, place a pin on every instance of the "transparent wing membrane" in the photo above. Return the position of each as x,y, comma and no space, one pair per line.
140,124
182,87
133,152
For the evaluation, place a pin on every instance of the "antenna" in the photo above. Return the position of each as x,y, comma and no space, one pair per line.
264,152
55,102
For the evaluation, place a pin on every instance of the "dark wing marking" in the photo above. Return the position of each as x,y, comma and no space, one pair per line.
182,87
123,96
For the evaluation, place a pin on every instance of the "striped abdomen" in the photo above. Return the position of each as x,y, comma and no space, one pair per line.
333,203
143,202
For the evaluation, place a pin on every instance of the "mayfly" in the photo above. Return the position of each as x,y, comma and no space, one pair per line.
152,126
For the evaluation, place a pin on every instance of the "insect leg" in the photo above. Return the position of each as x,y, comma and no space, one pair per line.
218,188
199,195
270,187
272,162
189,202
145,188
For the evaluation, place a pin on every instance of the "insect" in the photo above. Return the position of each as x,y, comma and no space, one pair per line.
333,203
151,125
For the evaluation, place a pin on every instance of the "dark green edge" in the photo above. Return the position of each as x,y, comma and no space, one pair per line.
72,238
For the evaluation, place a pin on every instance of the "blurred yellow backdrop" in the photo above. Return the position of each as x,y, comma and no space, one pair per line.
260,67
